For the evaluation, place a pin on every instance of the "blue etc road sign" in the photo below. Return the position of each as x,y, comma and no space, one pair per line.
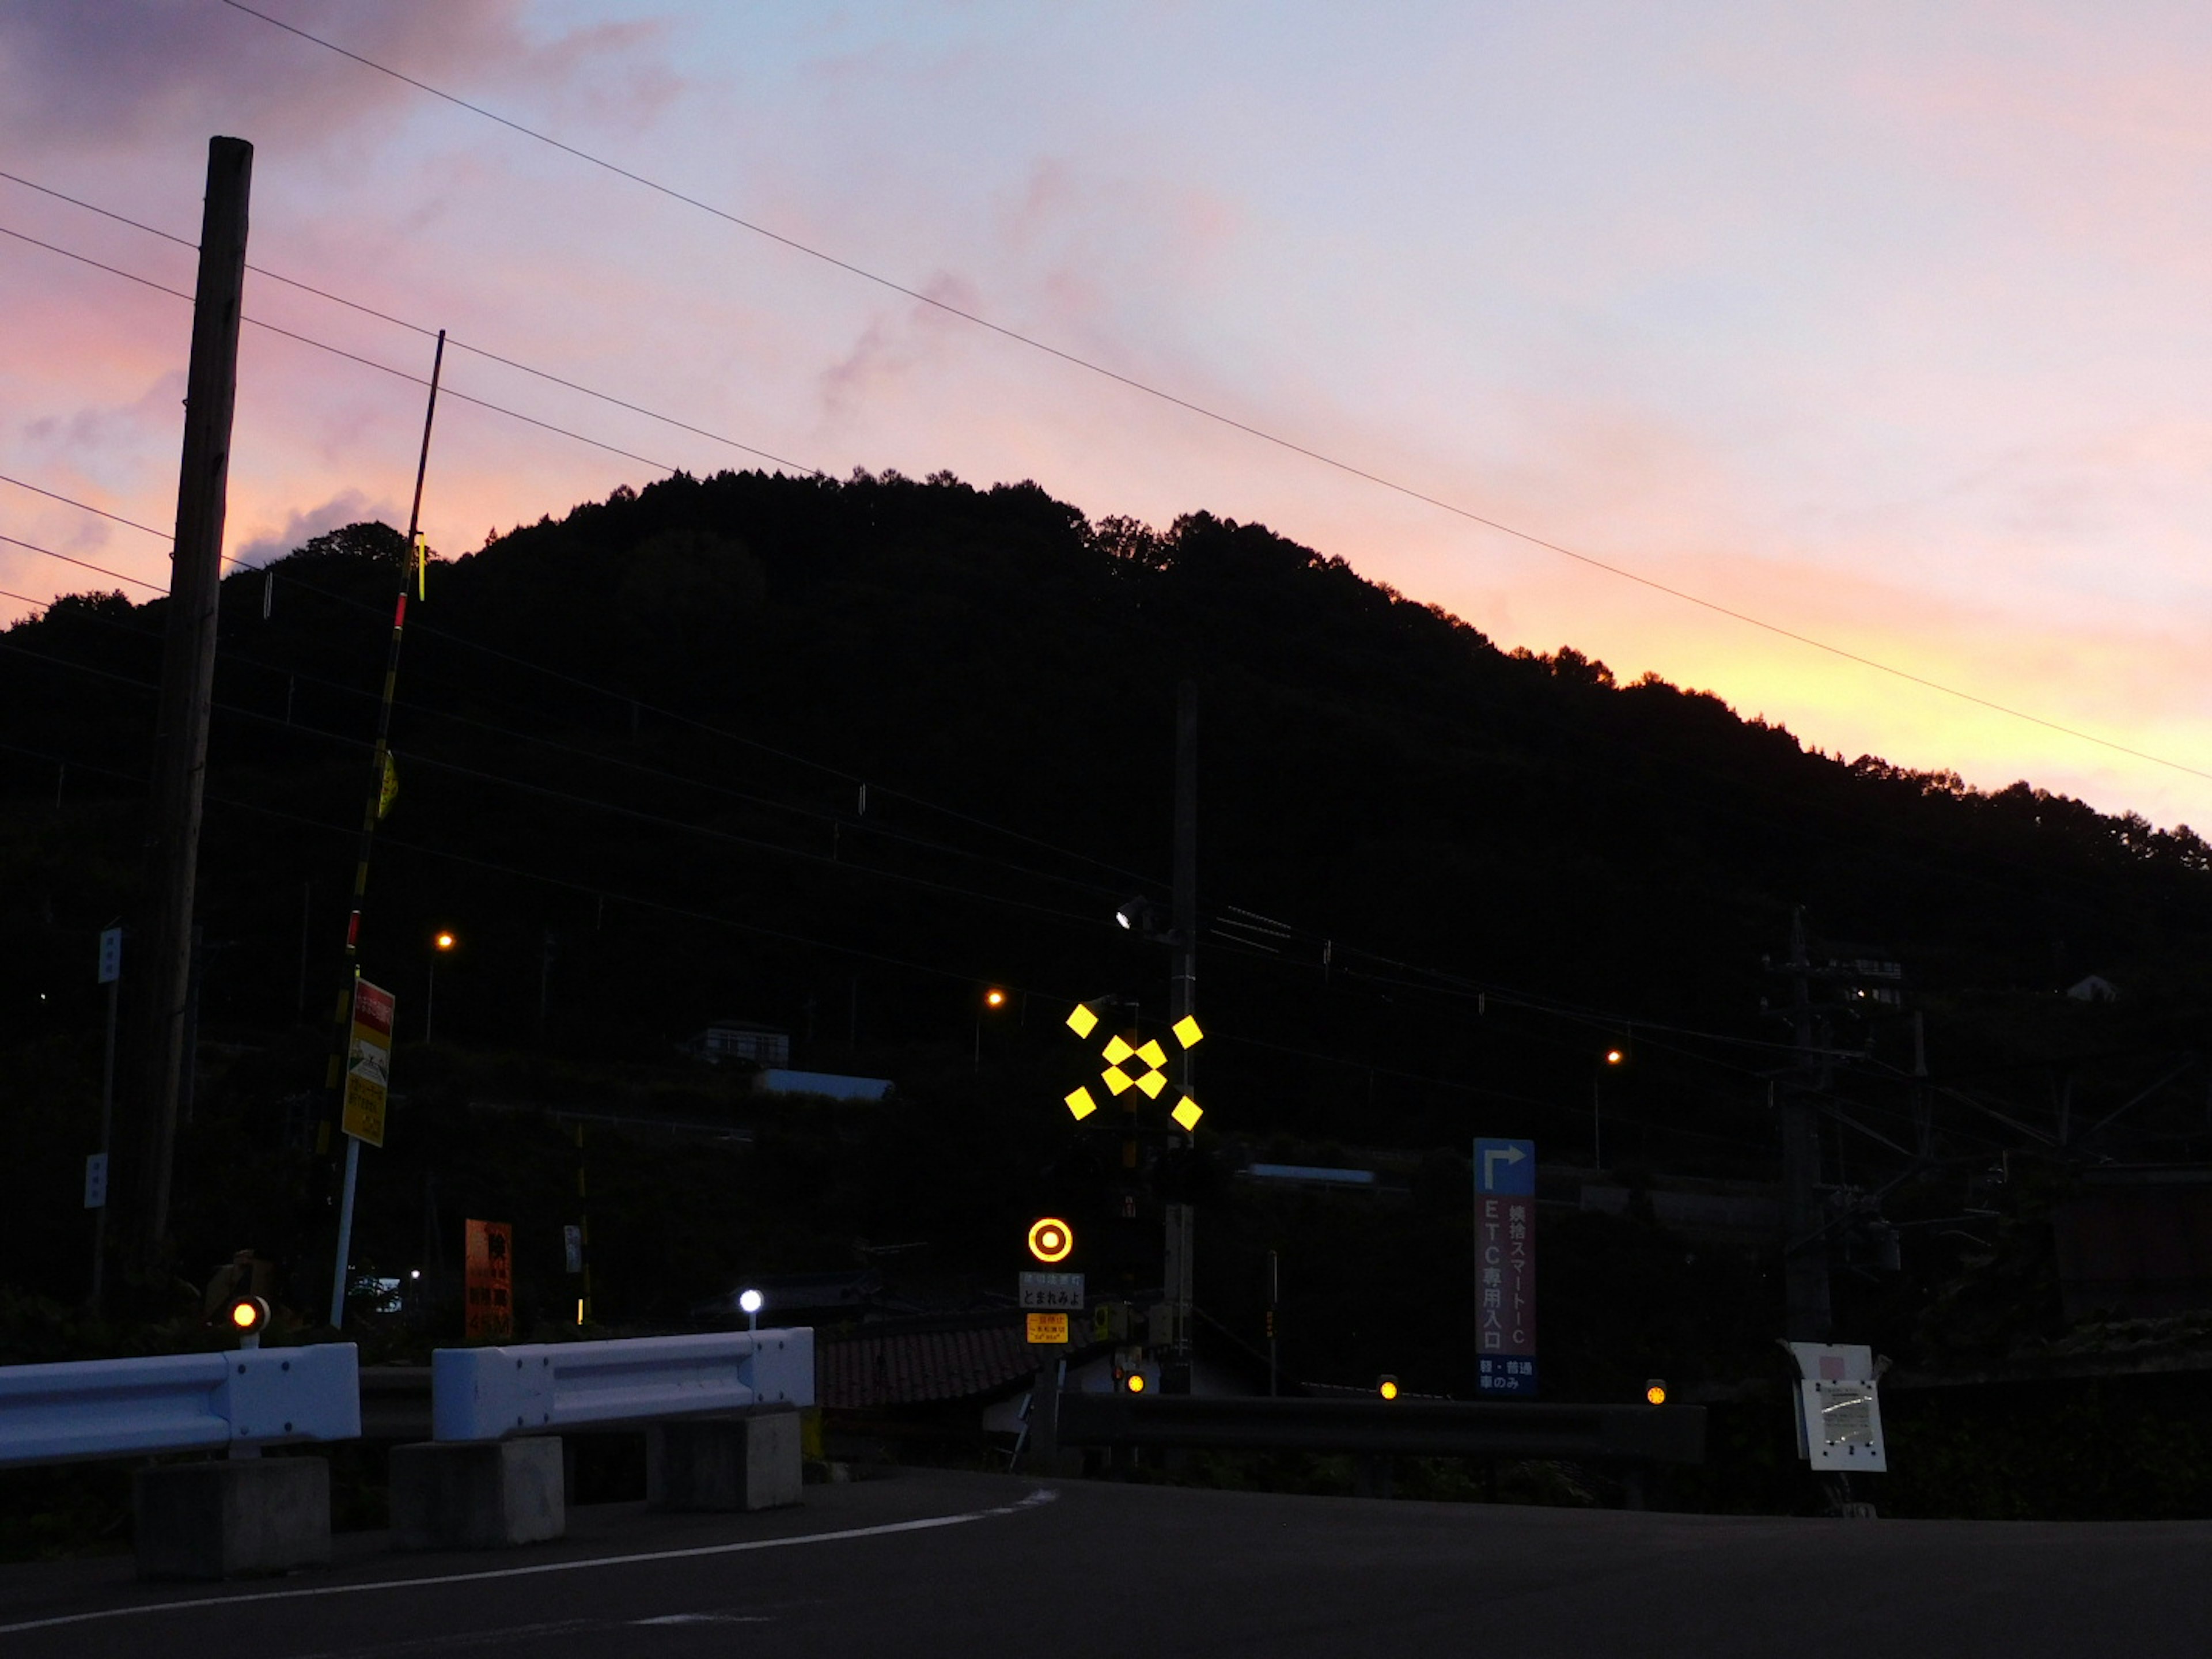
1505,1266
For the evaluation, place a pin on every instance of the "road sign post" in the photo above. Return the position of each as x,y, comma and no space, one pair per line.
1505,1266
95,1167
367,1091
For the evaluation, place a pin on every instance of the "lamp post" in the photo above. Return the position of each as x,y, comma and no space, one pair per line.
441,943
993,1000
1612,1058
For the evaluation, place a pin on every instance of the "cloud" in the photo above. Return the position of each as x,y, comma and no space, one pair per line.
347,507
107,74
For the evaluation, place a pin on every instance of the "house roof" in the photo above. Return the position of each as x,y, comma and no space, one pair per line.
910,1362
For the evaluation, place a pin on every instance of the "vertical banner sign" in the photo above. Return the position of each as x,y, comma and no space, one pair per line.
1505,1266
368,1064
489,1280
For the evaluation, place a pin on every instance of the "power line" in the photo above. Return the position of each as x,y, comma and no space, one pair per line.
1093,367
546,375
659,820
605,691
350,356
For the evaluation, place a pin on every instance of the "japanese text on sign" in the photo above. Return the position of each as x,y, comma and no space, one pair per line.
1060,1290
1505,1266
368,1064
489,1280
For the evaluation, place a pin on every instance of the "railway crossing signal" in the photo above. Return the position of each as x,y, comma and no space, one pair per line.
1148,1076
1051,1239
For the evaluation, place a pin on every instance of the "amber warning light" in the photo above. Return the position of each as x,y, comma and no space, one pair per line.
248,1315
1051,1239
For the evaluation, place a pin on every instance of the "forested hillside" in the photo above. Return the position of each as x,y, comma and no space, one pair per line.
835,756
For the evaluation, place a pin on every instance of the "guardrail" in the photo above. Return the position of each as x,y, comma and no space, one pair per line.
494,1394
249,1397
1399,1428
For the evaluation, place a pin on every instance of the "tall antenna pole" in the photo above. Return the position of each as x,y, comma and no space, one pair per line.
412,566
188,671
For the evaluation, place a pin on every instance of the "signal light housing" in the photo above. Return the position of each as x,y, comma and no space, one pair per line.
246,1318
1655,1392
1386,1386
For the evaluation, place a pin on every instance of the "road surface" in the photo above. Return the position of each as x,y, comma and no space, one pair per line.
928,1563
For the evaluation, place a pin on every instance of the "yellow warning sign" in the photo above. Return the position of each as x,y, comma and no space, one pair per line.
1045,1327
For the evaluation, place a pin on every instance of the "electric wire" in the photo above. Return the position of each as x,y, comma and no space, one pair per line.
350,356
1264,436
426,333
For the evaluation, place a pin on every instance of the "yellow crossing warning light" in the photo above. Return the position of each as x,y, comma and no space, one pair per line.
1387,1387
248,1316
1655,1392
1051,1239
1141,1066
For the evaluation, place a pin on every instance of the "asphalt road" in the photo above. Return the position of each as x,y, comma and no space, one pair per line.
928,1563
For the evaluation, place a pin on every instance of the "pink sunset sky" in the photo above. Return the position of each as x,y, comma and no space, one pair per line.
1883,324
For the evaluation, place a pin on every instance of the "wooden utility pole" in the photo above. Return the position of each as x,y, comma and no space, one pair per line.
188,673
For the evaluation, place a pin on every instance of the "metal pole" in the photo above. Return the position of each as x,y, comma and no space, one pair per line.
334,1080
345,1234
107,1135
1274,1296
188,668
1597,1129
1806,1314
1183,995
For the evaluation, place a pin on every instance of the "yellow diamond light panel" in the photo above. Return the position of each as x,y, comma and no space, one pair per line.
1152,1080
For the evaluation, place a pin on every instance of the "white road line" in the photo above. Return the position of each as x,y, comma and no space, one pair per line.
929,1523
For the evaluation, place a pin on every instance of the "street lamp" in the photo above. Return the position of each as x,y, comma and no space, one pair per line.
993,1000
1612,1059
749,1302
441,943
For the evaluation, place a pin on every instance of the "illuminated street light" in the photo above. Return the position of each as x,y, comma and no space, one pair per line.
442,943
993,1000
1614,1057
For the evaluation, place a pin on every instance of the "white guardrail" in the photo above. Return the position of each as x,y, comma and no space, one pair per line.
96,1409
488,1394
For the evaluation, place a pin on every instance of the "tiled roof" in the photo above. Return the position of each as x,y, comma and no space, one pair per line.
909,1362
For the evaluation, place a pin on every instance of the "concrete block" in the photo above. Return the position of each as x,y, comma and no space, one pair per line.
735,1461
232,1517
476,1495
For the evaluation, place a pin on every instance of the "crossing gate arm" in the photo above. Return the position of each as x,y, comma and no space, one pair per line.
491,1393
83,1410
